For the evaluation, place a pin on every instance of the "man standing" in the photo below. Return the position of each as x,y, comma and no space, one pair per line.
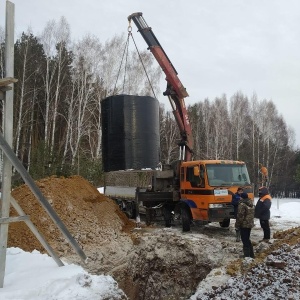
235,202
245,222
262,211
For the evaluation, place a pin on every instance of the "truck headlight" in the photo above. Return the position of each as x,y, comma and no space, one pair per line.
217,205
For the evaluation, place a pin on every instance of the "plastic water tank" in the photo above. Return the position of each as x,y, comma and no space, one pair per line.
130,132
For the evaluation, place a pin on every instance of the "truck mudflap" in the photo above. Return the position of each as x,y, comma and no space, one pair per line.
218,214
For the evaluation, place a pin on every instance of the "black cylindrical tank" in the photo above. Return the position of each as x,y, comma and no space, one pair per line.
130,132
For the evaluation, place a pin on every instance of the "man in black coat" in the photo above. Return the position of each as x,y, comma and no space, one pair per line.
262,211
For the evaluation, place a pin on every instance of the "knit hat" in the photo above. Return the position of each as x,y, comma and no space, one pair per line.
244,195
262,191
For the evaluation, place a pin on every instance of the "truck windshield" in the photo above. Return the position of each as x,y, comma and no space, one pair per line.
227,174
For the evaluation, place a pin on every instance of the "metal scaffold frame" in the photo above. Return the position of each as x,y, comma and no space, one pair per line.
10,159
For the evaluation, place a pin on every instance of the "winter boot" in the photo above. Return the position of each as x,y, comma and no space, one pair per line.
246,251
238,235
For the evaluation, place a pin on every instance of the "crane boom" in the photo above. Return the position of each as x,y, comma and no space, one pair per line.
175,89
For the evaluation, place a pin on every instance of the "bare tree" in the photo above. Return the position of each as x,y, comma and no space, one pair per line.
29,57
220,128
55,39
142,75
169,135
254,116
111,64
239,121
207,120
84,109
48,41
62,61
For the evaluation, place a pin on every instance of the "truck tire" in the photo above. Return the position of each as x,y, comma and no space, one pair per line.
225,223
186,218
167,216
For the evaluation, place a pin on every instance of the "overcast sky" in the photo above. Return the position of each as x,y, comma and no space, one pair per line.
216,46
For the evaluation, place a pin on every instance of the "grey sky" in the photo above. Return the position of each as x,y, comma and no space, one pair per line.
217,46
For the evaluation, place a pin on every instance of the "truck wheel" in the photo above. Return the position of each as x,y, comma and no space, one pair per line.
186,219
130,210
167,216
225,223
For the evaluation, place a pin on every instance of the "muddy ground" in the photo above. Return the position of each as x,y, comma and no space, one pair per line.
147,262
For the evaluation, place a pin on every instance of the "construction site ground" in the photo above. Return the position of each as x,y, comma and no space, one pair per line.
147,262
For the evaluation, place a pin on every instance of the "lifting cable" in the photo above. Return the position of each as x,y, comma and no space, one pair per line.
126,61
126,48
126,51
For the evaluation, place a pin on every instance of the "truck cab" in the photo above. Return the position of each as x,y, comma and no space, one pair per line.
206,189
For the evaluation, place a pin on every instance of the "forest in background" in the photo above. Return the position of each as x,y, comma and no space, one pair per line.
57,111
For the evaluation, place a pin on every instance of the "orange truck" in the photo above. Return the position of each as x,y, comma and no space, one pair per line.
188,191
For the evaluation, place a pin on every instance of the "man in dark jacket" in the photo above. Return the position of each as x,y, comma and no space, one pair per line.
262,211
245,221
235,202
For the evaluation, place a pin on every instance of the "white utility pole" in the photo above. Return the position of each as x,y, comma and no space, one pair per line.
8,133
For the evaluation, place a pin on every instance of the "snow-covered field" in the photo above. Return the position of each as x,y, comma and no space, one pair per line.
35,276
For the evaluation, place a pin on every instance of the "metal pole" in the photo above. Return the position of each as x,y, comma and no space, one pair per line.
34,230
8,134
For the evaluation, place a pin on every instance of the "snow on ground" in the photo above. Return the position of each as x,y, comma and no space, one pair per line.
35,276
274,280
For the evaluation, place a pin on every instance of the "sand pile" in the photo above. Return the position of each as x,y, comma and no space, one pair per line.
96,222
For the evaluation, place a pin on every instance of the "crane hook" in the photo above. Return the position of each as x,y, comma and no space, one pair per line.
129,29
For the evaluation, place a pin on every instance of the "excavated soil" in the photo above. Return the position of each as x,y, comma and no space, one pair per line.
96,222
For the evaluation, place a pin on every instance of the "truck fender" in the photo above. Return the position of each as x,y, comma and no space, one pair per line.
189,203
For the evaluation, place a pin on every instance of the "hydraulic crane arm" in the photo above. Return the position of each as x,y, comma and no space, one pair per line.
175,90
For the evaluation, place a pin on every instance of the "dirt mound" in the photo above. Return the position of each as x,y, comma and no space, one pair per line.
96,222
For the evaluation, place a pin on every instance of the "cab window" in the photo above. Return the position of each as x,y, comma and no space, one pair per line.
195,180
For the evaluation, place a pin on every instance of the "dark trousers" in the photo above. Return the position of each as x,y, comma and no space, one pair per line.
245,237
266,228
247,245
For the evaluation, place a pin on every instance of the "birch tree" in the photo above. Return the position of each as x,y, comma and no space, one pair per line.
169,136
29,59
220,129
62,63
238,117
207,116
55,39
48,41
85,67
